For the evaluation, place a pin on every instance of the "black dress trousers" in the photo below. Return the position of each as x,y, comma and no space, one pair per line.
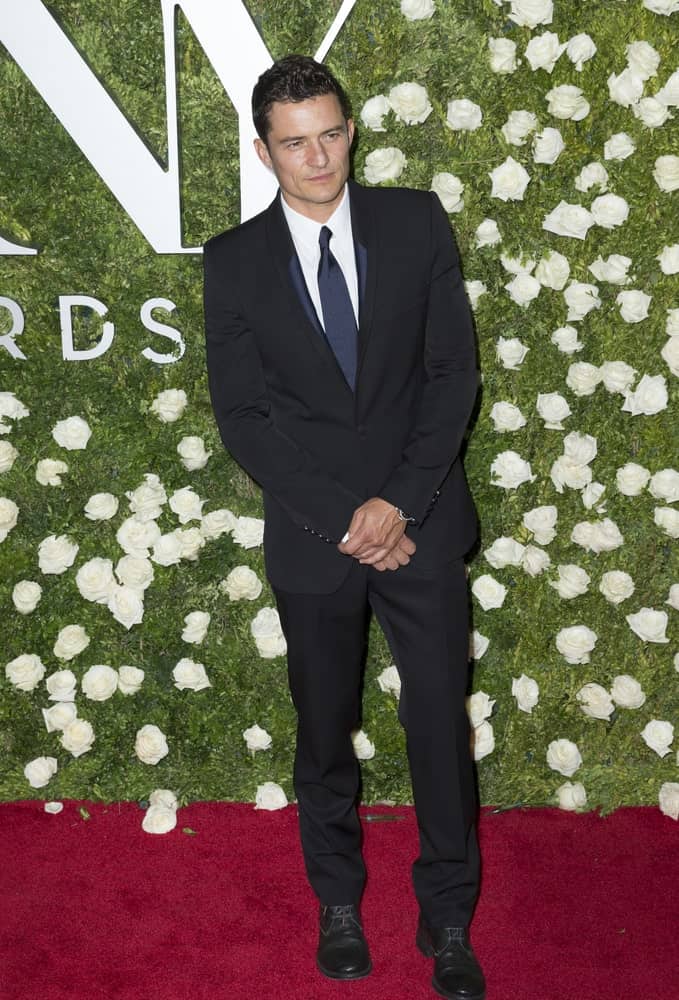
425,617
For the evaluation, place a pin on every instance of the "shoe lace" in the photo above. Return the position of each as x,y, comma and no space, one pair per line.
341,916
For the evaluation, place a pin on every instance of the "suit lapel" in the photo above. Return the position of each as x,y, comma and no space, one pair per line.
365,240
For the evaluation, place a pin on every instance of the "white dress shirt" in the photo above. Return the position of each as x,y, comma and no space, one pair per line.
305,234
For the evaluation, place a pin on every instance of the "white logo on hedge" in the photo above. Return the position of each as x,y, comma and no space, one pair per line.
148,193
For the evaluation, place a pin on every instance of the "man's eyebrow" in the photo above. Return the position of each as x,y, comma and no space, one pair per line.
296,138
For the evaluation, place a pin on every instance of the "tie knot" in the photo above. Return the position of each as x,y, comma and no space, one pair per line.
324,238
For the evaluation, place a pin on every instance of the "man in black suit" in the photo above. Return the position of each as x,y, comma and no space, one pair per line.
342,372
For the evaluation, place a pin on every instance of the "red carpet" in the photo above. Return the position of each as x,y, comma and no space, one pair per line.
572,907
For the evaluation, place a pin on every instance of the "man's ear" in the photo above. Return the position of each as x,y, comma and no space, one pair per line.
263,153
350,130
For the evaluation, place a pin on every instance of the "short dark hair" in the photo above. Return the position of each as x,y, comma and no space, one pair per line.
293,79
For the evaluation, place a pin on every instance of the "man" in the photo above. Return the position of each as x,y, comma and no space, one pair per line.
342,372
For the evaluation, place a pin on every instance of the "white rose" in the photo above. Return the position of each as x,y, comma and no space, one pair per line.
575,643
526,692
12,407
509,180
137,537
534,560
567,102
72,433
673,598
159,819
77,737
474,289
568,220
517,265
463,115
99,682
130,679
510,470
56,553
595,701
71,640
135,572
626,88
191,541
482,739
563,756
614,269
511,352
248,532
649,397
449,188
626,692
580,49
518,127
651,112
148,500
609,210
364,749
479,707
572,796
530,13
631,479
664,485
488,592
597,536
581,298
669,93
553,409
541,521
573,581
192,452
553,270
543,51
126,606
642,59
25,671
190,675
95,580
505,551
649,624
270,796
384,164
580,447
670,354
163,797
566,471
658,735
256,738
169,405
58,716
502,55
242,583
617,376
410,103
48,471
196,626
417,10
61,685
669,259
616,586
150,744
26,595
507,417
583,378
619,147
373,112
668,798
167,550
487,233
217,523
523,288
548,145
592,175
666,172
186,504
592,494
390,681
39,771
101,507
566,339
478,645
667,519
266,630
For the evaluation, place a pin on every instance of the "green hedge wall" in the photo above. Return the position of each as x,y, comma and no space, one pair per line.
52,198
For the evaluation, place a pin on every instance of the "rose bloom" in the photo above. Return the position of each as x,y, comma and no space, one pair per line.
658,734
196,626
631,479
568,219
186,504
575,643
667,519
479,707
9,515
664,485
626,692
530,13
242,583
507,417
553,270
256,738
482,739
72,433
390,681
137,537
95,580
666,172
169,405
509,180
78,737
534,560
564,756
548,145
566,339
101,507
266,630
619,147
474,290
190,675
463,115
270,796
48,472
61,685
541,521
613,269
616,586
39,771
668,799
192,452
571,796
573,581
150,744
510,470
217,523
129,679
148,499
373,112
617,376
567,102
410,103
72,639
649,397
595,701
580,49
511,352
417,10
248,532
505,551
526,692
56,553
502,55
488,592
518,127
25,671
26,595
592,175
649,624
99,682
385,164
487,233
449,188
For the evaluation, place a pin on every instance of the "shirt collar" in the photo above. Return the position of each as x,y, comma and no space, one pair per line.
307,231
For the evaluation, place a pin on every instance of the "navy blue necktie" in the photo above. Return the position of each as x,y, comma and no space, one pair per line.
338,313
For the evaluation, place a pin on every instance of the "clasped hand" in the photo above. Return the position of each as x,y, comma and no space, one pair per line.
377,536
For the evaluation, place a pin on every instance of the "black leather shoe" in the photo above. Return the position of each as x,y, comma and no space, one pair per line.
342,948
457,974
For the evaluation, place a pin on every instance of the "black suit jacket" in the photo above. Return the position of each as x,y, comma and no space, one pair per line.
286,413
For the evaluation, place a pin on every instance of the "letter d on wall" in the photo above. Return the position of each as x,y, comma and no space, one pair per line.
66,304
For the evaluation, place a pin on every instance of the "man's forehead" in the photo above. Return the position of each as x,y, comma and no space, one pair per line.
312,113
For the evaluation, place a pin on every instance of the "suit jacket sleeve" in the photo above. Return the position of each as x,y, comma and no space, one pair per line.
451,381
310,496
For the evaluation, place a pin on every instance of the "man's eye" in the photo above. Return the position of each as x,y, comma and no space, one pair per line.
295,145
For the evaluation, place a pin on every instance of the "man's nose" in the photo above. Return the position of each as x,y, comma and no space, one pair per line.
318,154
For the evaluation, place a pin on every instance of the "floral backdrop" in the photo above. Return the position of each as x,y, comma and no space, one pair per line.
141,646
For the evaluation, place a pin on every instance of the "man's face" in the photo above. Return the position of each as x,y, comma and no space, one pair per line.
308,150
